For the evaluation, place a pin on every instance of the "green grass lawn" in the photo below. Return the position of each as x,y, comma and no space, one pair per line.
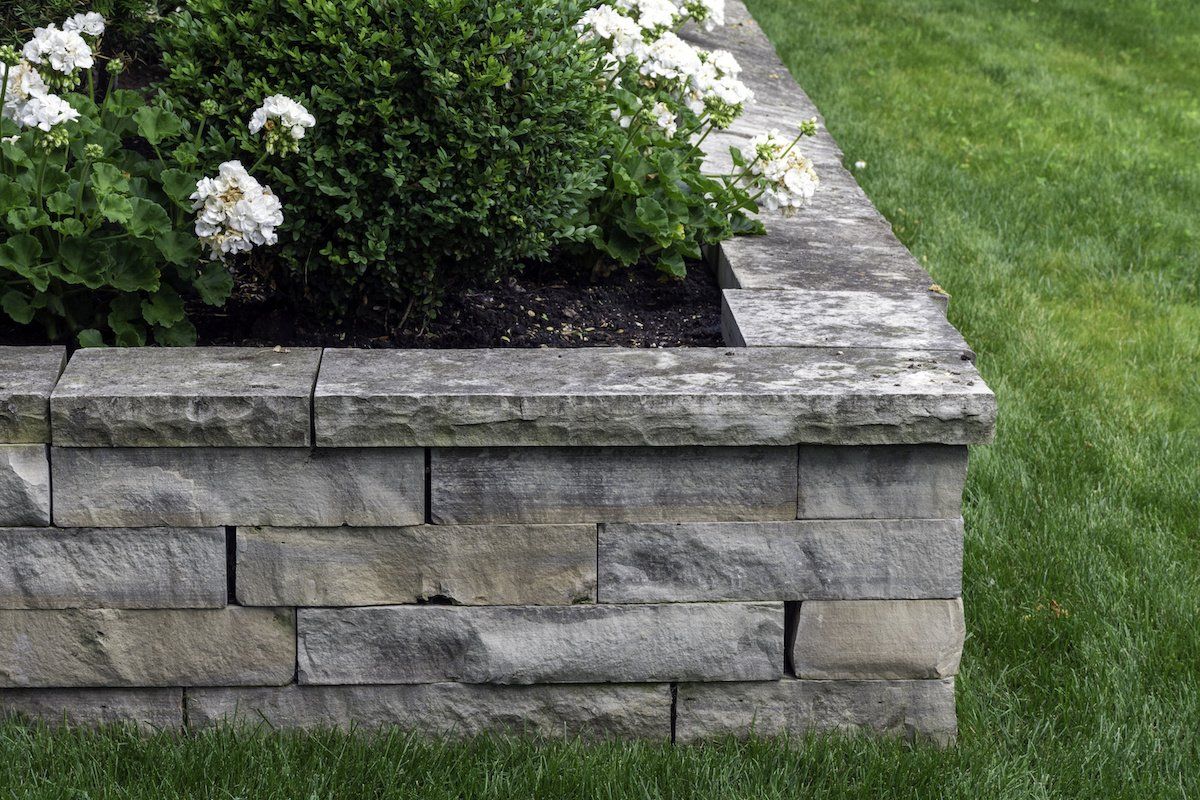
1042,159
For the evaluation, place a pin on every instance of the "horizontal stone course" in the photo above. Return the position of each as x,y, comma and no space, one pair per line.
557,484
801,560
838,319
27,376
206,396
469,565
910,709
201,486
24,485
146,648
881,482
662,397
112,568
541,644
878,639
150,710
592,711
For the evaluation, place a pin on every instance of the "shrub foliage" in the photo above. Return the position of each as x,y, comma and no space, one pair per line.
454,138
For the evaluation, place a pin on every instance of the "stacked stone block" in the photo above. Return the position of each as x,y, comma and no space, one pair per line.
665,544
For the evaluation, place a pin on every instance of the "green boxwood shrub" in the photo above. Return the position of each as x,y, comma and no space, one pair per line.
454,138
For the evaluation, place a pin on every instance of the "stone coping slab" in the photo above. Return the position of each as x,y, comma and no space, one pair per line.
665,397
838,319
186,397
27,376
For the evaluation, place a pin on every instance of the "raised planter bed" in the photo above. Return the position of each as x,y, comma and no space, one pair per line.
679,543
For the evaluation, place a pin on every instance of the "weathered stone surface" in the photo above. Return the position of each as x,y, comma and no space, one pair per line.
590,711
878,639
203,396
909,709
664,397
617,484
803,560
112,648
913,481
201,486
542,644
112,568
465,565
802,318
24,485
148,709
27,376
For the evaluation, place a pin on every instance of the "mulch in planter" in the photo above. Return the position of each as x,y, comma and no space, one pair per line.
543,307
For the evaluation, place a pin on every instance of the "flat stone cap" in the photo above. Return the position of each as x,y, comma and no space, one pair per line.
27,376
662,397
839,319
186,397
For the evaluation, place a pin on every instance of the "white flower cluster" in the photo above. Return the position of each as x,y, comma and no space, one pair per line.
787,179
664,118
89,24
654,16
235,212
622,35
29,102
64,51
285,121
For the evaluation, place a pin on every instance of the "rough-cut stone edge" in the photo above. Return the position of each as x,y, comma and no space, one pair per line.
590,711
911,709
150,710
243,405
24,485
25,392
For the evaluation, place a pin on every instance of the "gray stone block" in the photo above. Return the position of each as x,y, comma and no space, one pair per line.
591,712
910,709
902,481
464,565
802,560
201,486
541,644
802,318
173,397
150,710
114,648
631,484
659,397
24,485
27,377
112,568
878,639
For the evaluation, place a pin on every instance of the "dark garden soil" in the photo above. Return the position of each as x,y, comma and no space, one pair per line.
542,307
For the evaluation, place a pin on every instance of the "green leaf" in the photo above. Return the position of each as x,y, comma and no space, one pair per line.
109,179
133,266
181,334
156,125
653,216
214,284
17,306
163,308
68,227
14,153
20,254
179,186
178,247
12,195
115,208
61,203
672,264
124,317
27,218
148,219
80,262
90,337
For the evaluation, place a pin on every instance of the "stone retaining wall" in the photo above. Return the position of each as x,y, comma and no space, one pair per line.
636,543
